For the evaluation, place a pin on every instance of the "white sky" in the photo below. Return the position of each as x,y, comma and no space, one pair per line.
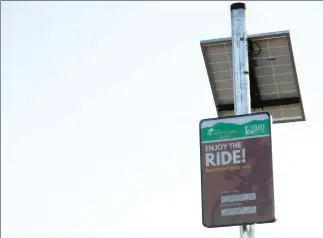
100,105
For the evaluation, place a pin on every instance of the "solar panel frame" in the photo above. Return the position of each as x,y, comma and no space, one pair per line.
227,71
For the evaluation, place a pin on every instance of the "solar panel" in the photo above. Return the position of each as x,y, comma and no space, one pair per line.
274,85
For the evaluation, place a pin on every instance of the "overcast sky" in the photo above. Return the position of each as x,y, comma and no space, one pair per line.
100,105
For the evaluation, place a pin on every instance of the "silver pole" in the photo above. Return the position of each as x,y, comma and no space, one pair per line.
240,73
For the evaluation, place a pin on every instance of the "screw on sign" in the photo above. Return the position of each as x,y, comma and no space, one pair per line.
236,172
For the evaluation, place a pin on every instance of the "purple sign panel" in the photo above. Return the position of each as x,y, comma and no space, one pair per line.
237,170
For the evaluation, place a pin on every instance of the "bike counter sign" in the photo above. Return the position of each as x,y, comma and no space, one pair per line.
236,170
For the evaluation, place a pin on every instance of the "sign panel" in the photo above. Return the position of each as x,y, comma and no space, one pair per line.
237,170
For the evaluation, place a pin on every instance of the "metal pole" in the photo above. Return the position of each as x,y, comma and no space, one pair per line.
240,73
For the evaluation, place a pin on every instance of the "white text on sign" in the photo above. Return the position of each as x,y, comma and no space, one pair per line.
224,154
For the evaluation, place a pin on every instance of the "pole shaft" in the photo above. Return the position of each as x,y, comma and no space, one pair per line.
240,64
240,73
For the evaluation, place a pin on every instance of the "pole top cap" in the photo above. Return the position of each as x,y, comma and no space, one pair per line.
237,6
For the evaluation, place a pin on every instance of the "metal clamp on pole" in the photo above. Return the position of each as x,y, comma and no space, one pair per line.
240,71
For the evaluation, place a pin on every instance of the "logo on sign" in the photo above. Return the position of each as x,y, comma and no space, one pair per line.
255,129
210,131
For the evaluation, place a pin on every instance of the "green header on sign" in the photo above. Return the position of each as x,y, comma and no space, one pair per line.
221,130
